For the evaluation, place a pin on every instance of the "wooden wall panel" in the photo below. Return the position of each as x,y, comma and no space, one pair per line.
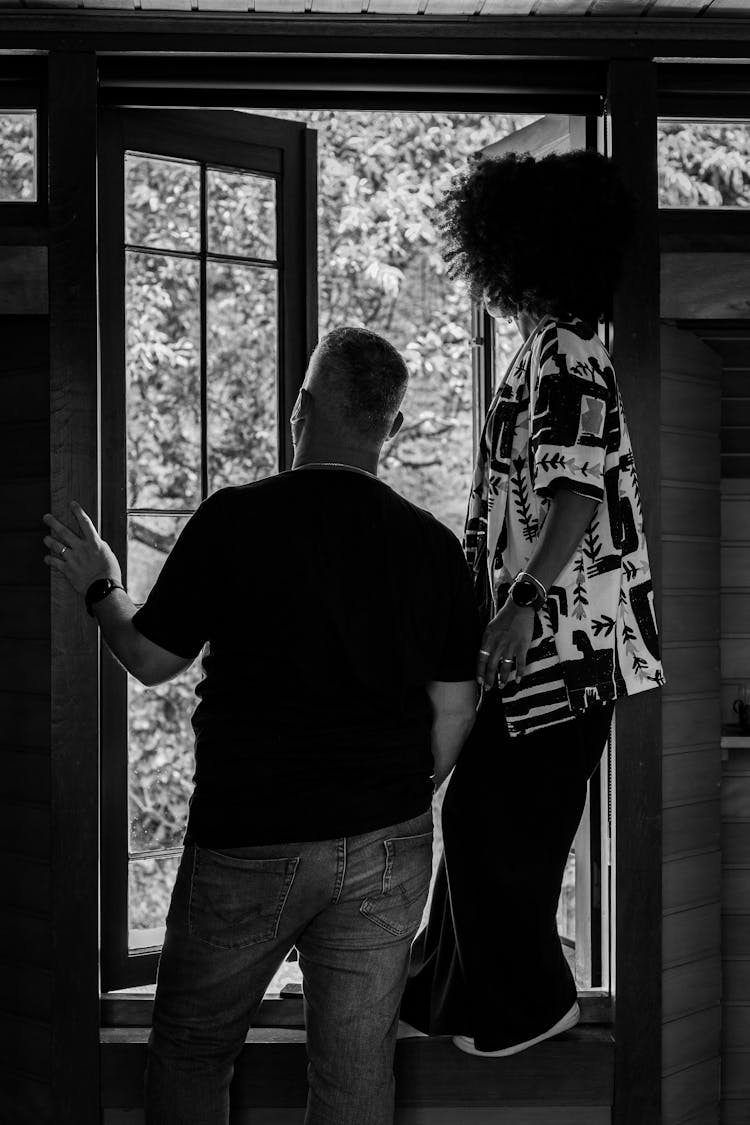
25,935
691,1095
687,506
691,980
691,987
690,935
689,721
690,776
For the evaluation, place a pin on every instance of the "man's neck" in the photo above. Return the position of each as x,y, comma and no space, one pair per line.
332,455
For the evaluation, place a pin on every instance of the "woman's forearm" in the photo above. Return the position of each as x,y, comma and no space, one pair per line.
567,519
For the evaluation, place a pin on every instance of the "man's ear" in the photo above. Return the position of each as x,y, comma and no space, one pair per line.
301,412
302,407
398,422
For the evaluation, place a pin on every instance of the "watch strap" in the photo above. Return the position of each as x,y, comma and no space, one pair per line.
99,589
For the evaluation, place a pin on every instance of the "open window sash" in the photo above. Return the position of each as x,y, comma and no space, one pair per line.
585,930
207,227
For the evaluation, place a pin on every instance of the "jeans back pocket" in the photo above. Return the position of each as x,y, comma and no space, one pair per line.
405,884
237,902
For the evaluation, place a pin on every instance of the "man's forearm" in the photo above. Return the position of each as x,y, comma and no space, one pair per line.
449,733
115,615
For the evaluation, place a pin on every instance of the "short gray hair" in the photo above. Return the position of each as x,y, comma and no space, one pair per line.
367,377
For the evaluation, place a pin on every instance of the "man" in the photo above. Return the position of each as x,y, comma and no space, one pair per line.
339,676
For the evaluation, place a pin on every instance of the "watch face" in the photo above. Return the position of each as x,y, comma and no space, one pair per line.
524,593
97,588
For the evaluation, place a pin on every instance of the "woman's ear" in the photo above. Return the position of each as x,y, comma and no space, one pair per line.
398,422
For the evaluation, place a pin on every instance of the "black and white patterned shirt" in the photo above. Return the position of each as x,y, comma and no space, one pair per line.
557,421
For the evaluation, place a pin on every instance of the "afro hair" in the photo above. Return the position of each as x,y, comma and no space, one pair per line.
542,236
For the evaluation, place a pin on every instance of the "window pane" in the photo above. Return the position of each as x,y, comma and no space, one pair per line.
242,359
18,157
163,381
150,539
161,760
150,883
241,210
162,203
704,165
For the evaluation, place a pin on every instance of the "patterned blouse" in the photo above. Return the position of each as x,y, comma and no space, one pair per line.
557,421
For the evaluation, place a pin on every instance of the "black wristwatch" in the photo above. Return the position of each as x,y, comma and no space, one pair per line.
527,592
100,588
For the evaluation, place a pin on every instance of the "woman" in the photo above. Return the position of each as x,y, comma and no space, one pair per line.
554,536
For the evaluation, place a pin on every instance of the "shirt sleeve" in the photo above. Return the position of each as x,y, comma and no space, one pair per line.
458,658
571,392
175,614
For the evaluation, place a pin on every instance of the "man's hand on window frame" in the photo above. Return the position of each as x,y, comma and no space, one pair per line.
80,556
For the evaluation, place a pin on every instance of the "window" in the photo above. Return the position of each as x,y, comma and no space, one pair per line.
18,156
193,234
704,164
204,313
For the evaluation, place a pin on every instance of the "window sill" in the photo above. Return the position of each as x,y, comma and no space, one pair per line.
575,1069
134,1008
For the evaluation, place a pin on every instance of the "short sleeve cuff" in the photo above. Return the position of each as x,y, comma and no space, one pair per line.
556,467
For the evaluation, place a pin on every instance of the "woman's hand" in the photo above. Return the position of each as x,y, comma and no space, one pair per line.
81,557
505,642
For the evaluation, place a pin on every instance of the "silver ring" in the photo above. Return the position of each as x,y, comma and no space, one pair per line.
483,652
65,548
508,660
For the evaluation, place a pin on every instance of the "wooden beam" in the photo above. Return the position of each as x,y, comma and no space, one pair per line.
632,109
73,473
705,286
592,36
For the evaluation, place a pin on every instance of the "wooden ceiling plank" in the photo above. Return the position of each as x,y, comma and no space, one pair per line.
507,7
728,8
677,7
619,7
561,7
394,7
222,5
112,4
165,5
288,7
55,4
452,7
337,7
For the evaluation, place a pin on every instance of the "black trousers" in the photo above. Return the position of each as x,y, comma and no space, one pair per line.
490,963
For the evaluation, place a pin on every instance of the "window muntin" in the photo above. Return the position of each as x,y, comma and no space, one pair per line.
18,156
704,164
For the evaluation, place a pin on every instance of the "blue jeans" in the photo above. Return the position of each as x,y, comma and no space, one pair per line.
351,907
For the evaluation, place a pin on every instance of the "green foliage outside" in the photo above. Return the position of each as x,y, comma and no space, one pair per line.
17,179
704,165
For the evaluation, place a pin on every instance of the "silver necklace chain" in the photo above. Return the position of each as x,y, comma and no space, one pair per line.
335,465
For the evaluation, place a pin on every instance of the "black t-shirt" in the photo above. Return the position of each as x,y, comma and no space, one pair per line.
327,602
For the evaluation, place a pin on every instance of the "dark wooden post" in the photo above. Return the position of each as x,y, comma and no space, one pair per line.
632,118
73,472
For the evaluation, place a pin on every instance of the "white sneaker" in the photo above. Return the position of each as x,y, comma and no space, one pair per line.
570,1019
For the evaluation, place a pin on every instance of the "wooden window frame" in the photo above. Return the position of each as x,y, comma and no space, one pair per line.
285,153
17,97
